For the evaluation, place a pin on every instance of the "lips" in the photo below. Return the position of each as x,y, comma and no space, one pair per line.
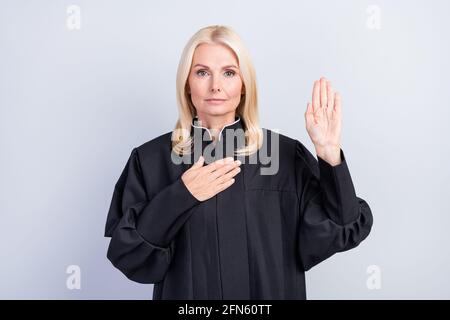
215,101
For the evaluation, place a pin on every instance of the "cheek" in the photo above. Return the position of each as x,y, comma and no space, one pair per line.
198,88
196,92
234,88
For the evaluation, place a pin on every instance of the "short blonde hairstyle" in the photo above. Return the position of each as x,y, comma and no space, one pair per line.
248,107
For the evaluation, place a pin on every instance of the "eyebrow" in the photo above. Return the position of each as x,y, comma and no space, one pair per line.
224,67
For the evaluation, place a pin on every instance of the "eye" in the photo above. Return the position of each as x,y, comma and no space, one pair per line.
230,72
201,72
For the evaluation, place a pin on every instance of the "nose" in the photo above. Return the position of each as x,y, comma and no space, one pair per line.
215,86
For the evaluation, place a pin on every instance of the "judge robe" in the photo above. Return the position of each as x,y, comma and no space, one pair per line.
253,240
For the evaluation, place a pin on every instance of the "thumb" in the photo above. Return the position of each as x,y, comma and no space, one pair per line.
309,114
199,163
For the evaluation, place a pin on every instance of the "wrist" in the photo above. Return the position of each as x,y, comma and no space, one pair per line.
331,154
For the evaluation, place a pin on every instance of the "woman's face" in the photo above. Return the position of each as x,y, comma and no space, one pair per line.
215,75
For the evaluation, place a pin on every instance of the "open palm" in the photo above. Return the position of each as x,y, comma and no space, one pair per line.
323,115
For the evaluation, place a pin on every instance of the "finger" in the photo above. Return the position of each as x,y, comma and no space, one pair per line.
199,163
217,164
330,99
223,186
330,95
323,92
212,176
227,168
337,103
227,160
228,176
316,96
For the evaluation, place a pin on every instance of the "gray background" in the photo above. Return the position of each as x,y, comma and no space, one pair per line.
75,102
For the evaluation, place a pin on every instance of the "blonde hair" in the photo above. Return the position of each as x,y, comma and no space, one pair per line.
248,107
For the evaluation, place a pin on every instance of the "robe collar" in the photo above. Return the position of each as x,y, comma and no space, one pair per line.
205,133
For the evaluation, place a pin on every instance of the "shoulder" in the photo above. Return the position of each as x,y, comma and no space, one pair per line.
283,138
289,148
157,146
286,143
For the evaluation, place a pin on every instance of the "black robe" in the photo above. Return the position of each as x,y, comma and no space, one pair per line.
254,240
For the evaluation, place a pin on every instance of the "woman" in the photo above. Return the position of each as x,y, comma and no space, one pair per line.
204,213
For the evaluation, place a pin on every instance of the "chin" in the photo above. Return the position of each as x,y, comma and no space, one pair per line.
218,110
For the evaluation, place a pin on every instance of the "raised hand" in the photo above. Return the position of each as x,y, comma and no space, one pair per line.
323,121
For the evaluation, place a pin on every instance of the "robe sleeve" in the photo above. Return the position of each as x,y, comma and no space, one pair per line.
142,226
332,218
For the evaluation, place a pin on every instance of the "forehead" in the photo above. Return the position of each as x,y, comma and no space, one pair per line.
214,55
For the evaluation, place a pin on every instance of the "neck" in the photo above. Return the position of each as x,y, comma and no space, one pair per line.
216,123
